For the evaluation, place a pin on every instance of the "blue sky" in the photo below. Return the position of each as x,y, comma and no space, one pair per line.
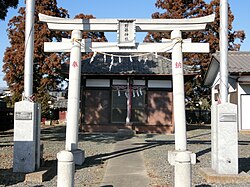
126,9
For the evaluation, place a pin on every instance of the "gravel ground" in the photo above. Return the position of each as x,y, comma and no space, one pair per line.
53,139
98,148
199,142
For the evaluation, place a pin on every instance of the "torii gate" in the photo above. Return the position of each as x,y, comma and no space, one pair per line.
126,29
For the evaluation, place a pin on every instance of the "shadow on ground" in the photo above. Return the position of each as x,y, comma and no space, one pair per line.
244,164
191,127
58,133
8,177
100,158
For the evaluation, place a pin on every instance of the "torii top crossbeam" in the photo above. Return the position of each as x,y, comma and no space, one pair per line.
142,25
126,29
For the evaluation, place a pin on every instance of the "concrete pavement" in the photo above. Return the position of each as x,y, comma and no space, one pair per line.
126,167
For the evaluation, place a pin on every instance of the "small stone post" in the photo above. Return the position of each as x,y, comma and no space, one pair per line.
183,177
65,169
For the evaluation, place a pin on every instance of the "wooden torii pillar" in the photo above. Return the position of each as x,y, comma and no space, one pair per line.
126,29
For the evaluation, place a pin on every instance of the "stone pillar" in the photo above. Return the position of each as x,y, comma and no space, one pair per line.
74,98
227,139
181,158
178,93
26,137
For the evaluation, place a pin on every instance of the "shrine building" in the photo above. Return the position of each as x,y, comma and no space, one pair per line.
145,80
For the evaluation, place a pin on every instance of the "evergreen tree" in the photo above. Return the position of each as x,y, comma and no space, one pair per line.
179,9
5,5
47,66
